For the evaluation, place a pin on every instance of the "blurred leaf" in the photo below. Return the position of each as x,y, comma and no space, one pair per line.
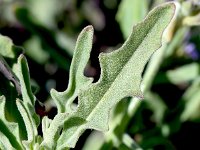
35,51
130,143
186,7
65,41
191,110
130,13
184,73
178,39
192,20
192,89
95,137
7,49
46,36
45,11
6,14
157,106
96,18
192,102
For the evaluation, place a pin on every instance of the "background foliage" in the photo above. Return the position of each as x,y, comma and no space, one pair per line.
168,117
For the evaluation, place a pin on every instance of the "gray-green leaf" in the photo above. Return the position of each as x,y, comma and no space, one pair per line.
26,107
9,131
120,76
77,80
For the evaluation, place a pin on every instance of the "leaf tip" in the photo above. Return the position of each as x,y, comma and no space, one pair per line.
172,6
21,58
89,28
52,91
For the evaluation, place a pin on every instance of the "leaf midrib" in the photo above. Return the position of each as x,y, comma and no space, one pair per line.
149,31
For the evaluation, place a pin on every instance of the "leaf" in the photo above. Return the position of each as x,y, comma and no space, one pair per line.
9,131
77,80
191,110
192,20
8,73
181,75
130,143
131,12
120,77
50,130
26,107
35,51
6,47
30,126
8,50
48,44
45,11
192,103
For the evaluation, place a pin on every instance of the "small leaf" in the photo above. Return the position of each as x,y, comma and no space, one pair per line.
130,143
120,76
181,75
192,103
30,128
26,107
45,123
49,44
9,131
51,128
6,47
23,74
192,20
9,50
77,80
35,51
27,95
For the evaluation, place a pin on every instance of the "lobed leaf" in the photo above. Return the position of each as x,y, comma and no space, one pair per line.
120,76
26,107
77,80
121,72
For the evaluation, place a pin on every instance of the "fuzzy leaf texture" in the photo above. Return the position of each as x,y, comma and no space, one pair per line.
77,80
9,131
26,107
120,76
12,130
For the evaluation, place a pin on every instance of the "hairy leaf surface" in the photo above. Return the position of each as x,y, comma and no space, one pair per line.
77,80
26,107
9,131
120,76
